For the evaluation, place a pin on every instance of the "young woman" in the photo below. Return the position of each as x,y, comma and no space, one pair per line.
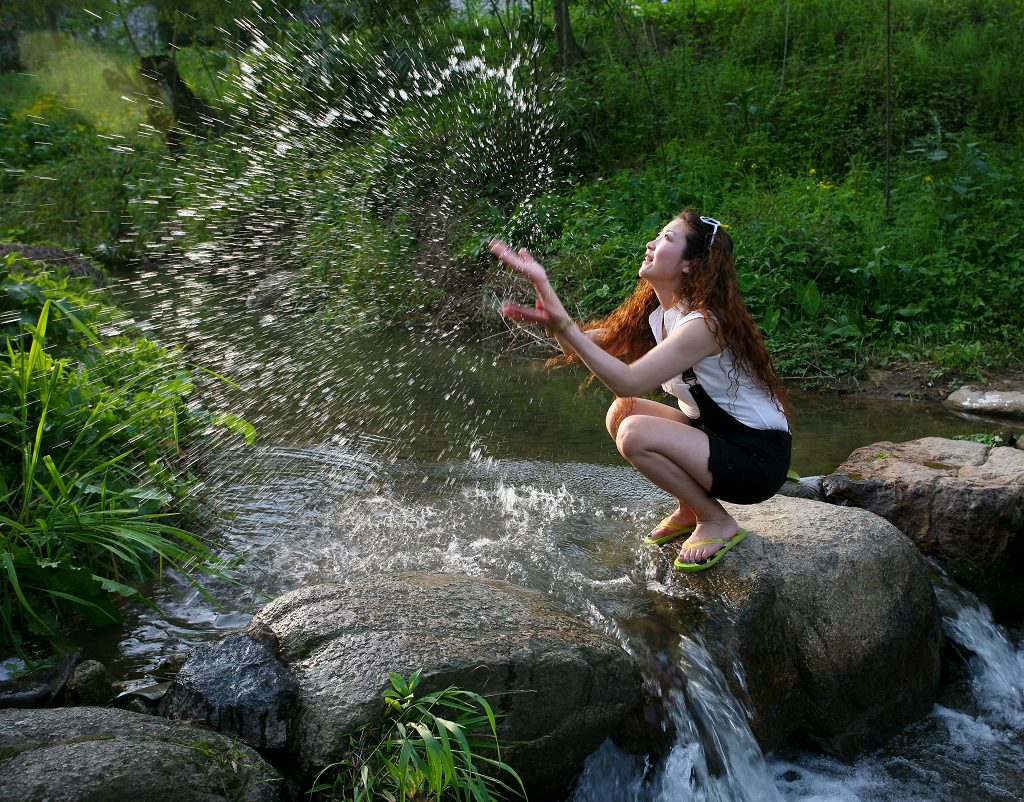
687,330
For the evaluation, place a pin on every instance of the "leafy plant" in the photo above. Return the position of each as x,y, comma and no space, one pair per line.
78,521
90,437
428,746
986,438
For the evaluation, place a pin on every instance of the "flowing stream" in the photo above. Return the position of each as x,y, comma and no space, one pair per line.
435,450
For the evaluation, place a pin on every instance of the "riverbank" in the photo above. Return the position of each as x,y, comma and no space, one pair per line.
918,382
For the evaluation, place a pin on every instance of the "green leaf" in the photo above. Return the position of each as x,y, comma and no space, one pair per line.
809,298
110,586
237,424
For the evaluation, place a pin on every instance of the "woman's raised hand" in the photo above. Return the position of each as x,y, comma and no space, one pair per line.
548,310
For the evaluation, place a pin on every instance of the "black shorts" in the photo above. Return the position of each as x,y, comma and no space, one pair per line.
749,467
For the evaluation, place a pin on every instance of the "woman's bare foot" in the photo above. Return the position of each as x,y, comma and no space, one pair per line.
679,518
718,529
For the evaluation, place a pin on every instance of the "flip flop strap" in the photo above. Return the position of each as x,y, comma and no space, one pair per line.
665,523
711,541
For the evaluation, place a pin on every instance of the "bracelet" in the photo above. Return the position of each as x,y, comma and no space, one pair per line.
561,327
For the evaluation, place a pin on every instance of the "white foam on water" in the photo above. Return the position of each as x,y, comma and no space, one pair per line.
997,668
714,757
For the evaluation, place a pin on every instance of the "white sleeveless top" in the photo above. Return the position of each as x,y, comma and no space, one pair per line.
732,389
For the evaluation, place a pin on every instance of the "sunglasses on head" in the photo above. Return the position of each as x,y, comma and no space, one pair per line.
711,221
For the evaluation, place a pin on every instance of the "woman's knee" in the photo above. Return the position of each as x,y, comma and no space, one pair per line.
620,409
631,435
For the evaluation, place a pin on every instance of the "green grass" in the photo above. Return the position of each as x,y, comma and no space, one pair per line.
91,432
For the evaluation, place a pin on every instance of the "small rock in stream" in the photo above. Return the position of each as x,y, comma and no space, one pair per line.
238,687
1002,401
89,685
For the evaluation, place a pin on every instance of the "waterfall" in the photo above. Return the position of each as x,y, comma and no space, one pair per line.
996,667
713,758
969,746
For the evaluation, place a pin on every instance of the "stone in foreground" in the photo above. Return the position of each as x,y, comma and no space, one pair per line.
559,686
832,615
961,501
96,754
237,687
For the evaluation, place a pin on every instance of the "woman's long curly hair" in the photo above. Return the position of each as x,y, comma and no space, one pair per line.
711,287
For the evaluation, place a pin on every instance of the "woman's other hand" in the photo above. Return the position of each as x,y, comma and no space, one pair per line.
548,310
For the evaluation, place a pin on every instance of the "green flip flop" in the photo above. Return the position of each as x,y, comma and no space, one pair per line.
675,531
703,565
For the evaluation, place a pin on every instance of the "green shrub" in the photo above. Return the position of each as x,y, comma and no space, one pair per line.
429,746
86,201
91,430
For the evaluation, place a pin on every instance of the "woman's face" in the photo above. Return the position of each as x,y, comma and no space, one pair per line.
664,258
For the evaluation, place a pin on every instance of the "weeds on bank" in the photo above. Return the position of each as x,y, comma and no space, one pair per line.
91,431
429,746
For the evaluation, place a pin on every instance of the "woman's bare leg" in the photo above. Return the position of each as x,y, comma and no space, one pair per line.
622,408
674,455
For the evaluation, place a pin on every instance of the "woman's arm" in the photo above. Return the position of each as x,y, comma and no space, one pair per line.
686,345
682,349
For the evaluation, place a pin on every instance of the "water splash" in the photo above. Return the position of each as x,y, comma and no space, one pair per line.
356,161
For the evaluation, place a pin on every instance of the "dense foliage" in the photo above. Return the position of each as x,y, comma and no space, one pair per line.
382,151
92,424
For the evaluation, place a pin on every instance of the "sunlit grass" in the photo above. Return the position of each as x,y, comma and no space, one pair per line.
69,74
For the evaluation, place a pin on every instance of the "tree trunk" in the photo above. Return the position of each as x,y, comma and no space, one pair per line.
174,108
569,51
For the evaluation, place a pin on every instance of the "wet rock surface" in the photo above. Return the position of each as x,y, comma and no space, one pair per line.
1002,400
89,685
40,688
961,501
237,687
92,754
559,686
830,613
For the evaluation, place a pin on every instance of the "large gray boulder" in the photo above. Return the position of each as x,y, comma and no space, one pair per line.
559,686
96,754
958,500
831,614
1005,400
